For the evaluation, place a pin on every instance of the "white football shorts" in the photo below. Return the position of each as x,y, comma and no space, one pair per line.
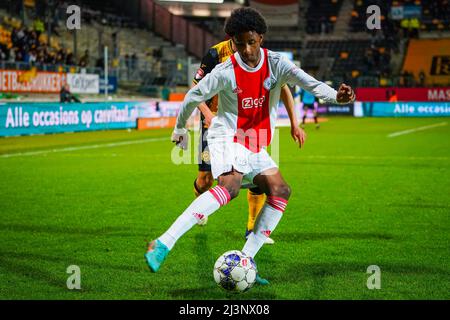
226,155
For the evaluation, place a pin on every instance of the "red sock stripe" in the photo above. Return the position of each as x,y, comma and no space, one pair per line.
277,203
221,194
225,193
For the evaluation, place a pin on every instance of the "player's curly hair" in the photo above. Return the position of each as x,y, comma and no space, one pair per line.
243,20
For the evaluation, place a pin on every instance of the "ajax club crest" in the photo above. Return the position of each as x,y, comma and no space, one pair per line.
268,84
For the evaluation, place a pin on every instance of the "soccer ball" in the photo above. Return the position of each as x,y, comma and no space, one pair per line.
235,272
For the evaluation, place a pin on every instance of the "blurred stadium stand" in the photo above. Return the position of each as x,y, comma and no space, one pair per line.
152,44
322,15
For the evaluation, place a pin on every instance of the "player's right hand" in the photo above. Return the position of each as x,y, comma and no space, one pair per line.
299,135
180,137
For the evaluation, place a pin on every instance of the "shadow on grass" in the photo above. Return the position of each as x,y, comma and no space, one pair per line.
25,265
308,236
420,205
66,231
316,274
204,260
204,256
64,260
24,269
301,271
365,163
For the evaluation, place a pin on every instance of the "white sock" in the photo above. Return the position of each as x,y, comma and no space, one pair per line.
265,224
203,206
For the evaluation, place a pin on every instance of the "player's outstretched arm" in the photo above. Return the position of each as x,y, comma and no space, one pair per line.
296,76
297,133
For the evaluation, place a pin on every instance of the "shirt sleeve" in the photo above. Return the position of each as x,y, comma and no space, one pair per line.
296,76
209,61
211,84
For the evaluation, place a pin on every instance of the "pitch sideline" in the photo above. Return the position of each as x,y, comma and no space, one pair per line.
85,147
399,133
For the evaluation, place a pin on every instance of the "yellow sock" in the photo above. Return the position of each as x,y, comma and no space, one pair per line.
255,204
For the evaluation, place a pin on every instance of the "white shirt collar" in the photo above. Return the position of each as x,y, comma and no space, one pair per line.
247,68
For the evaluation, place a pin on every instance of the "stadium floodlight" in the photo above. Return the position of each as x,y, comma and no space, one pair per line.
194,1
201,12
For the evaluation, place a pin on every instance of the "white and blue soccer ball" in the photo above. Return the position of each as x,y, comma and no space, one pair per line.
235,272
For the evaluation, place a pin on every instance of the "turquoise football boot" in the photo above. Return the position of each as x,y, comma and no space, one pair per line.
261,281
156,254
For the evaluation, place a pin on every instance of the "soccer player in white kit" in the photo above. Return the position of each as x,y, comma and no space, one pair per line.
248,85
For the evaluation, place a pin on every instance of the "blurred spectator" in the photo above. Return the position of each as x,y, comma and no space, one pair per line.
100,62
384,80
18,37
4,52
414,25
134,61
69,58
422,78
412,80
404,24
38,26
66,96
157,53
84,60
32,57
32,46
323,25
115,63
41,57
391,95
410,27
401,81
18,56
368,60
408,79
59,59
12,55
385,62
127,65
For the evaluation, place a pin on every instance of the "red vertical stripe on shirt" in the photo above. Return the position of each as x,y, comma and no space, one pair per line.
253,122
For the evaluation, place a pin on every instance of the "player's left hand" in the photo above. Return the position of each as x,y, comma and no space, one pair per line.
299,135
180,137
345,94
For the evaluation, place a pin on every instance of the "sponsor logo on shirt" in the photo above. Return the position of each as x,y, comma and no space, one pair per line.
248,103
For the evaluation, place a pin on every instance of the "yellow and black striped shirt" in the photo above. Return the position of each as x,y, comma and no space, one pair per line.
216,54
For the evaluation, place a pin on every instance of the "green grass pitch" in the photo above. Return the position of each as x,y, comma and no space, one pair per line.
359,198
